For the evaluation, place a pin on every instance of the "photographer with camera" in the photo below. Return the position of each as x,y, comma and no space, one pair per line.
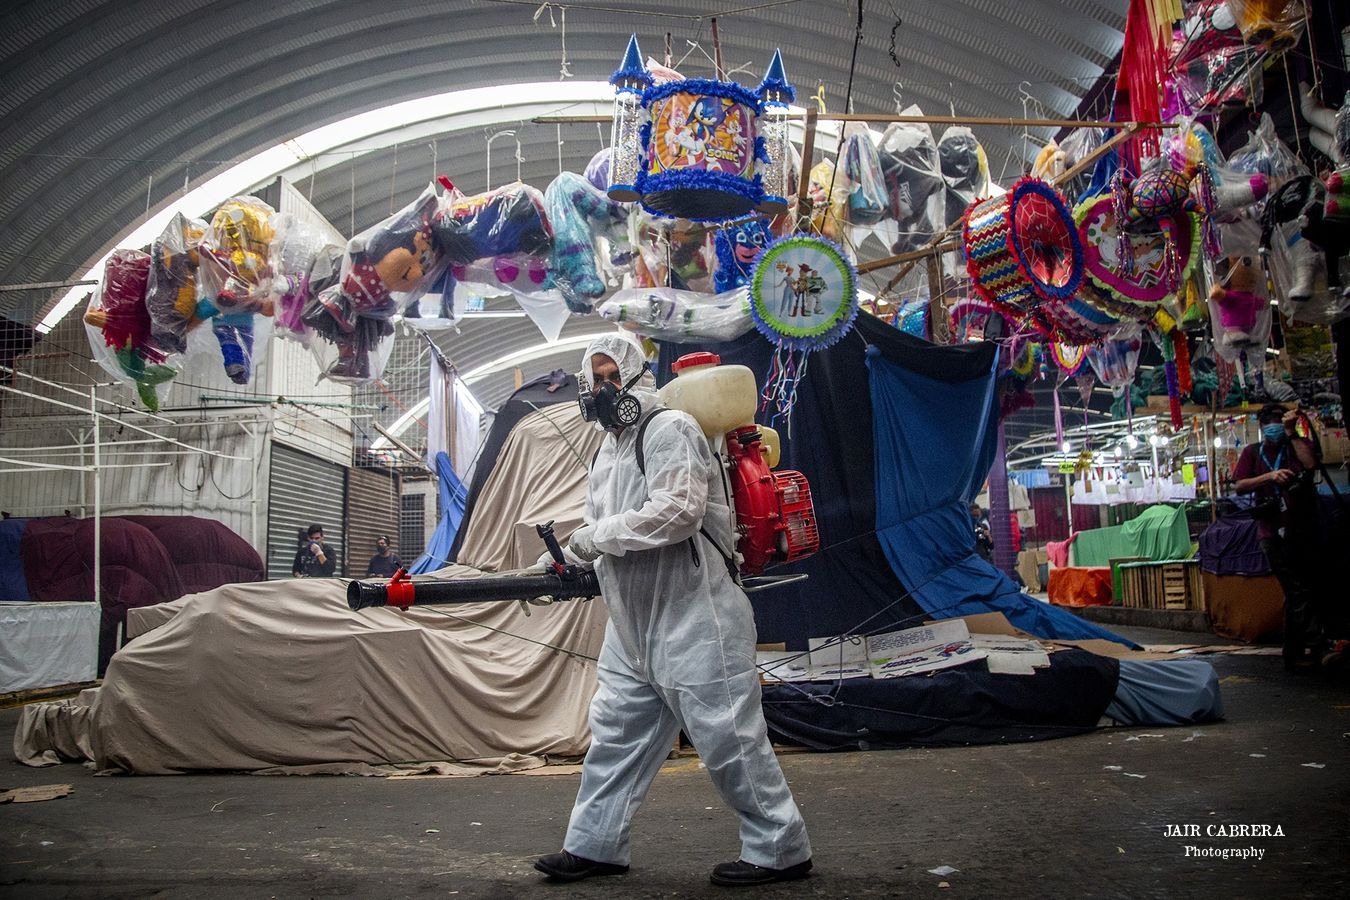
1279,471
314,559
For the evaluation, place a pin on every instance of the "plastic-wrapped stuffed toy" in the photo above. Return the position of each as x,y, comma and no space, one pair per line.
964,168
120,329
867,200
666,314
234,281
304,262
507,220
580,216
1272,24
829,192
1238,305
673,253
171,291
909,163
737,247
1302,201
1050,162
392,262
354,346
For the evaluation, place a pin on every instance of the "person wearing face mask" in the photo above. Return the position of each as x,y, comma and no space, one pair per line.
679,648
385,562
1278,470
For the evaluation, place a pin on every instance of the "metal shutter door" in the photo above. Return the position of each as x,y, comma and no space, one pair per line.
372,510
302,489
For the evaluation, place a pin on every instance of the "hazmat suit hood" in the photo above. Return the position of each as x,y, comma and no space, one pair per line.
626,350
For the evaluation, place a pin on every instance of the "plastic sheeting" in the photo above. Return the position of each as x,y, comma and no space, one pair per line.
935,439
1158,533
966,705
225,685
1166,692
46,644
454,495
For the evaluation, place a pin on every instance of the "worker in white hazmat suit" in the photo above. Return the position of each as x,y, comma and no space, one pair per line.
679,650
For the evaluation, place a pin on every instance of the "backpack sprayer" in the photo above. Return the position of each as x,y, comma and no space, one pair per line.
773,517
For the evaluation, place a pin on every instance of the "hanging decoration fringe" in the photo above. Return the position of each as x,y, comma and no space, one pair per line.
1182,349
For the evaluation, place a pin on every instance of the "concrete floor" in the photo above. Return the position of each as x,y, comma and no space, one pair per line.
1031,820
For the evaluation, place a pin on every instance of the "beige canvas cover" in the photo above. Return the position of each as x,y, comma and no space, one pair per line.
282,676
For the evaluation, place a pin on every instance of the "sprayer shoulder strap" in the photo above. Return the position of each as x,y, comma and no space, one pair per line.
642,467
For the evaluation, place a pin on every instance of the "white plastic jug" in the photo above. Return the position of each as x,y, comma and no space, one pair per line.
719,397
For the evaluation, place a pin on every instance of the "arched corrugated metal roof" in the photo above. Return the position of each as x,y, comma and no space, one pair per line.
107,106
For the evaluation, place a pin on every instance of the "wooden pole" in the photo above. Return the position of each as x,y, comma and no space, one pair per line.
670,56
936,245
717,51
937,315
804,178
883,119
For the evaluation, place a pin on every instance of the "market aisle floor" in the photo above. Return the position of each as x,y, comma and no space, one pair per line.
1084,816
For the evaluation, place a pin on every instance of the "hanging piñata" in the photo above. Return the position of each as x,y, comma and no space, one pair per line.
1022,251
803,297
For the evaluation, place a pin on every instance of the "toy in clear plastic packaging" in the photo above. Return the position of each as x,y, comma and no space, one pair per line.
355,346
675,254
965,170
580,216
171,290
1240,310
304,262
395,261
119,327
1116,359
910,166
666,314
828,190
1305,249
234,280
1264,152
867,200
737,248
1274,25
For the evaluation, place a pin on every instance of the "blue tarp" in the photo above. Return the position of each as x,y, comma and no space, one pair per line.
454,496
934,442
13,583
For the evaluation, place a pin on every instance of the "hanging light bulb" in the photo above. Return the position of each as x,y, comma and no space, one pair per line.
1131,441
1065,447
1120,451
1218,442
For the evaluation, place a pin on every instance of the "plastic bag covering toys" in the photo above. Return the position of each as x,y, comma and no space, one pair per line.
909,164
1240,309
1302,202
580,215
965,170
665,314
393,261
737,248
829,192
171,292
304,262
675,254
234,280
1272,24
120,330
867,200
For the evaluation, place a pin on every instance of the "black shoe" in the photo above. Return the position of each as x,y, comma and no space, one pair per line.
743,874
563,866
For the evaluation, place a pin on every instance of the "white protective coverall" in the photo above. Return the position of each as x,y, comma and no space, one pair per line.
679,649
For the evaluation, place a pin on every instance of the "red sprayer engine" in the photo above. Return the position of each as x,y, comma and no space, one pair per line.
774,516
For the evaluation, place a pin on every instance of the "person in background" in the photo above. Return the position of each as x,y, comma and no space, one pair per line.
385,562
314,559
984,539
1278,470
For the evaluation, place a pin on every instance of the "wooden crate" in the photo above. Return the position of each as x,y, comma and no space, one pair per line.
1173,584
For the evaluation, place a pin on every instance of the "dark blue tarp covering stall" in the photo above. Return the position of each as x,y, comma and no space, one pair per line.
935,439
454,496
965,705
892,455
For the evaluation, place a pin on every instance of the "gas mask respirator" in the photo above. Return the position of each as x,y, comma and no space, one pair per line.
611,406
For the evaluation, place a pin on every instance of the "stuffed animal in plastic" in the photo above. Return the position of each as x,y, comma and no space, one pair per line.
579,215
122,322
964,168
234,281
507,220
737,248
909,163
828,192
171,291
1302,200
1274,25
304,262
337,318
1239,304
867,200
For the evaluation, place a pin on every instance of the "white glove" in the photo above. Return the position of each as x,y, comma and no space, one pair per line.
545,560
582,544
